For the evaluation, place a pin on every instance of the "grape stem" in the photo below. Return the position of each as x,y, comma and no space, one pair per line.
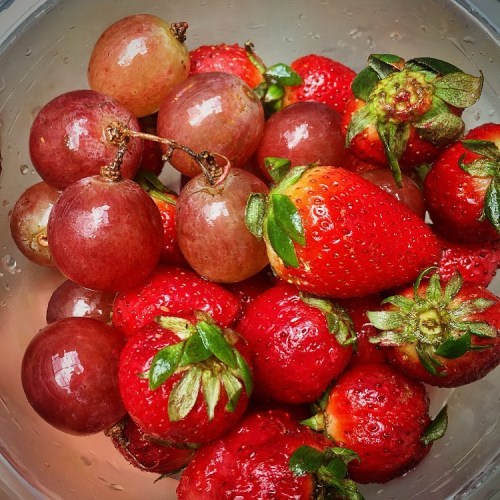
118,133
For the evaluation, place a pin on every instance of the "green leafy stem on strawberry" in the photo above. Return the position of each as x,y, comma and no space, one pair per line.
437,325
420,93
207,358
329,468
488,165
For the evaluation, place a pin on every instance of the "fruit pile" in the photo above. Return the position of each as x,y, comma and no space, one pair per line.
269,329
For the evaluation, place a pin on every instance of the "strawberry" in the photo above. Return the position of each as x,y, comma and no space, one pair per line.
227,58
366,351
173,291
300,343
381,415
185,381
152,155
268,455
443,334
462,189
145,452
323,80
334,234
404,112
476,263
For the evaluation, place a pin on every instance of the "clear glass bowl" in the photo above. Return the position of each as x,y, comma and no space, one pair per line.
44,49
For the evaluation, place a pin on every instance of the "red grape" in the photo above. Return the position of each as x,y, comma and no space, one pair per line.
70,375
68,138
305,132
211,229
72,300
105,235
217,112
28,222
137,60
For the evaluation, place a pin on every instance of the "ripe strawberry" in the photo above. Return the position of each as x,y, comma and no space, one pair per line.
227,58
165,200
145,452
443,336
300,343
462,189
323,80
382,415
366,351
334,234
268,455
185,381
172,291
404,112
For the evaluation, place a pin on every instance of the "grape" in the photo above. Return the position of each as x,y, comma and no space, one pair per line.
68,138
69,375
217,112
211,229
137,60
409,194
28,222
305,132
105,235
72,300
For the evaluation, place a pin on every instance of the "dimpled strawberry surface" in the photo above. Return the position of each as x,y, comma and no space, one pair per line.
267,329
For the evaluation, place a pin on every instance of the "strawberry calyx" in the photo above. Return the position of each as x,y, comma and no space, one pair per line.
275,217
272,89
419,93
487,165
154,187
433,321
329,468
209,362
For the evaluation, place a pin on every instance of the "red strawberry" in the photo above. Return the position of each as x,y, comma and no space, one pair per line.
462,189
366,351
334,234
405,112
443,335
300,343
172,291
323,80
268,455
227,58
185,382
166,201
145,452
382,415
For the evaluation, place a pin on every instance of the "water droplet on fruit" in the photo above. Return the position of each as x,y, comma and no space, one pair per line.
24,169
9,264
27,52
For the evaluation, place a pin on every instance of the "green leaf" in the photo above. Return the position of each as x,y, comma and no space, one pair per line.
305,460
403,303
210,385
488,149
278,168
164,364
453,348
394,138
437,428
430,64
441,128
292,177
459,89
233,390
255,212
336,468
214,341
434,292
316,422
346,454
453,287
480,329
180,326
360,120
386,320
385,64
243,372
283,74
492,203
429,362
280,242
184,394
480,167
288,217
274,92
418,281
364,83
194,351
